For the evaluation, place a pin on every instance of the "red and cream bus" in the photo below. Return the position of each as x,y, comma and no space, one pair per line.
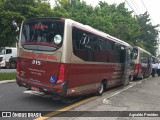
64,57
143,63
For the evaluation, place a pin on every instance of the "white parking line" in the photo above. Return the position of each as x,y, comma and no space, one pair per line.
123,89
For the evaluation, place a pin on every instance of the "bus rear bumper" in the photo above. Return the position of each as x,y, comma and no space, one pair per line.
60,89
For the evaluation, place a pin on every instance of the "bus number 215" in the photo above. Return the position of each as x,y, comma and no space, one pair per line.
36,62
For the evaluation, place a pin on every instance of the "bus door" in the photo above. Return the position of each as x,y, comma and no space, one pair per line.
126,65
132,64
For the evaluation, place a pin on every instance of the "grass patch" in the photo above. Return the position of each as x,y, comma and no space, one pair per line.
7,76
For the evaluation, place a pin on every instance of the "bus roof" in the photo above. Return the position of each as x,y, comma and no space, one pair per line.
97,32
86,28
141,49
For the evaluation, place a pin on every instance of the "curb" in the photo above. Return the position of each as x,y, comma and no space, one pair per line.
7,81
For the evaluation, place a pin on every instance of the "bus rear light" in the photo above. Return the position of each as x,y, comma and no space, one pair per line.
136,69
59,81
61,74
58,91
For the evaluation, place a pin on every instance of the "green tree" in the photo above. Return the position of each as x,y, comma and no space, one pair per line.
19,10
117,21
149,33
73,9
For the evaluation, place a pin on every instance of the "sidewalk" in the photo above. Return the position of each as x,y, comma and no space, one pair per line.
141,97
6,81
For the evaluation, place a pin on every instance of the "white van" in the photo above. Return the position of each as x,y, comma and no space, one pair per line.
5,55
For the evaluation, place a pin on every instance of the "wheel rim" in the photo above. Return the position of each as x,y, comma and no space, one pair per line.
131,78
142,77
101,88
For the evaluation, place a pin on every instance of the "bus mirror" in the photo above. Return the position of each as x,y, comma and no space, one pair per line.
57,39
15,25
17,39
88,46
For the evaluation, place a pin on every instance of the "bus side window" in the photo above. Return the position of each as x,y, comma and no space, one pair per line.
132,55
135,53
122,54
117,53
111,52
100,54
78,39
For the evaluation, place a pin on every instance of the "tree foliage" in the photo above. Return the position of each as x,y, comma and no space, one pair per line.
149,33
18,10
114,19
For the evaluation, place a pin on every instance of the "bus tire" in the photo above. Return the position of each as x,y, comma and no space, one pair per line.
130,78
142,77
13,65
100,90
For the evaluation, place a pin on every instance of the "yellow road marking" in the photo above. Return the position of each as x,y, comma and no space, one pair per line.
65,109
52,114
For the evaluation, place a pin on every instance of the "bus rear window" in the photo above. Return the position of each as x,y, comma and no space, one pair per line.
135,51
42,34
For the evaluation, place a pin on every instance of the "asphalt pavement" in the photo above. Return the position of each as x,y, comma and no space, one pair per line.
120,103
139,101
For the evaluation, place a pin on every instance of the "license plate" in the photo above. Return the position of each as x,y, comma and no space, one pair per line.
35,89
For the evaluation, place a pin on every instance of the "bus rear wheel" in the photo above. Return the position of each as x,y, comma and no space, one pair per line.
100,90
131,78
141,78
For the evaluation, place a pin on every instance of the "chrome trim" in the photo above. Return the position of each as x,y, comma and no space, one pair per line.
82,88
